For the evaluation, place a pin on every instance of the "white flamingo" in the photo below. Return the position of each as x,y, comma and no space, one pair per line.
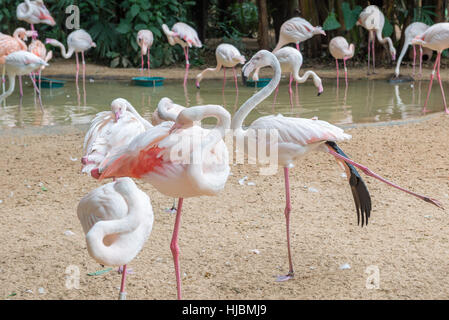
145,41
186,37
117,219
341,49
34,12
227,56
297,137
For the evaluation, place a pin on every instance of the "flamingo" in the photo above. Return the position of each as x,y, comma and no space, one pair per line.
77,41
21,63
201,169
117,219
373,20
435,38
166,110
10,44
145,41
34,12
38,48
291,61
227,56
186,37
296,30
297,137
413,30
340,49
110,130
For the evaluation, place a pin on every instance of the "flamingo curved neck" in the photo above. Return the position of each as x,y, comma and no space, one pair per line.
251,103
12,82
200,76
64,53
384,40
163,113
401,56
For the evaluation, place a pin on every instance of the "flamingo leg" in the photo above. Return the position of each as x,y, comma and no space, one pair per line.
430,83
37,90
346,71
374,55
148,62
368,172
141,63
175,248
336,63
20,86
287,222
224,80
420,62
235,80
186,53
275,95
414,59
122,294
34,33
290,91
297,46
369,49
84,77
77,68
3,81
441,84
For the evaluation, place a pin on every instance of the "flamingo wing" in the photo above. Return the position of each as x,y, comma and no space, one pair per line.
187,34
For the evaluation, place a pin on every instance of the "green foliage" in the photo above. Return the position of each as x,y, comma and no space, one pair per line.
245,17
387,31
331,22
350,16
424,14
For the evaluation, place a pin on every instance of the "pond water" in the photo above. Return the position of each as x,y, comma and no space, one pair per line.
362,101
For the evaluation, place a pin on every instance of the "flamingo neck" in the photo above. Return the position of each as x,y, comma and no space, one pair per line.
305,76
257,98
12,82
145,123
64,53
200,76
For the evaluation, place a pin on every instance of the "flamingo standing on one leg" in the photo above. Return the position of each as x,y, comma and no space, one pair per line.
296,30
413,30
373,20
117,219
186,37
110,130
435,38
145,41
78,41
21,63
227,56
201,169
297,137
38,48
291,62
34,12
10,44
340,49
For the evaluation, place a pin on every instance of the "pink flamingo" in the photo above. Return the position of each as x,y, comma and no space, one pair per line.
117,219
166,110
227,56
202,169
413,30
38,48
21,63
291,62
186,37
10,44
78,41
296,30
340,49
296,137
34,12
373,20
145,41
110,130
435,38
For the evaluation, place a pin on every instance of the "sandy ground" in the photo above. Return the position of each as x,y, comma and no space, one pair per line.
407,239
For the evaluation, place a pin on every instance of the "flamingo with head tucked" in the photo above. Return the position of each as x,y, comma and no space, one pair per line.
186,37
293,138
78,41
435,38
227,56
373,20
202,168
145,41
117,219
413,30
296,30
340,49
34,12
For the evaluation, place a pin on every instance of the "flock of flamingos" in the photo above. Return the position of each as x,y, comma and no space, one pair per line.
117,217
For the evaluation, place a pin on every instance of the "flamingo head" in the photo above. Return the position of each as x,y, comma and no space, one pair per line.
50,41
259,60
319,30
393,54
199,77
119,107
44,15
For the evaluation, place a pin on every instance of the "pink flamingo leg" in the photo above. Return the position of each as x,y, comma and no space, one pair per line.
235,80
122,294
369,50
346,71
77,68
148,62
414,59
420,61
336,63
224,80
37,90
275,95
297,47
374,55
441,84
290,91
287,222
175,248
84,69
20,86
34,33
141,64
430,84
368,172
186,53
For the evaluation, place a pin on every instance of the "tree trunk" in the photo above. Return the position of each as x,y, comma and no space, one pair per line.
200,16
439,11
262,37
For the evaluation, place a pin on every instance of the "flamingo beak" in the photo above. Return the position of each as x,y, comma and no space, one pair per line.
95,173
320,90
117,115
393,57
197,84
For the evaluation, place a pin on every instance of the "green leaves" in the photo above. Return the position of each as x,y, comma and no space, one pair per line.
350,16
388,28
331,22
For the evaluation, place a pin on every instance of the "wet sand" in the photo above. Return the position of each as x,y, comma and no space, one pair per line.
406,239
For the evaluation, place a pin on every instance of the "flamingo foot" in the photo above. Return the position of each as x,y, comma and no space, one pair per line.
128,270
287,277
171,210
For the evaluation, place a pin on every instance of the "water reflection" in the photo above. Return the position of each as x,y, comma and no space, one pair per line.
362,101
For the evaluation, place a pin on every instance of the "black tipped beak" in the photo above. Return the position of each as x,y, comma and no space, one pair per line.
197,86
319,94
